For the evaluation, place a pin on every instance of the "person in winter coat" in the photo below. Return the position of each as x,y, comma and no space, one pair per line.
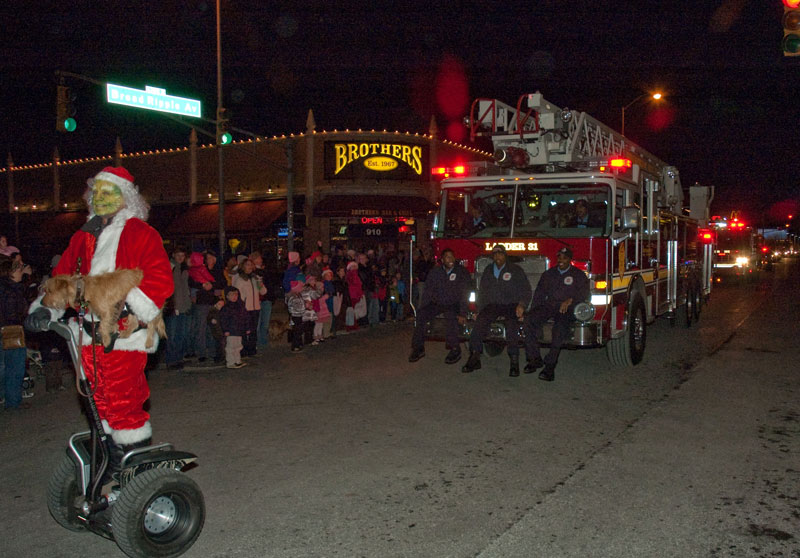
559,289
297,308
504,291
116,236
13,309
291,272
235,323
251,289
354,289
446,292
206,278
341,302
178,312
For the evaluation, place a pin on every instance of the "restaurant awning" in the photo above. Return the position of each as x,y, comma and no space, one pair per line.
376,206
240,217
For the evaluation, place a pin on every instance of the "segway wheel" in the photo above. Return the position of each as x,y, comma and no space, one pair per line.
62,492
160,512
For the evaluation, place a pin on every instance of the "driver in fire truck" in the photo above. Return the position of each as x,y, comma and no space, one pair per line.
504,291
559,289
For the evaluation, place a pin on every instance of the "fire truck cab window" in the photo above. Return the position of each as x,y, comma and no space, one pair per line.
560,210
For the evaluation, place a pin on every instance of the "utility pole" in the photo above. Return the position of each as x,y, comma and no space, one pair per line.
220,172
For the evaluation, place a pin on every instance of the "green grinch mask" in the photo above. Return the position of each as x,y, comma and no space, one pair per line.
106,198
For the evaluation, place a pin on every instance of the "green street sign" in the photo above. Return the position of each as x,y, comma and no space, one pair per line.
152,98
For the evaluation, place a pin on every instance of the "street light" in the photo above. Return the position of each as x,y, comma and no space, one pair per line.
655,96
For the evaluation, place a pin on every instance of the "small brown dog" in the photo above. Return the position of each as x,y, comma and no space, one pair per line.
105,294
277,328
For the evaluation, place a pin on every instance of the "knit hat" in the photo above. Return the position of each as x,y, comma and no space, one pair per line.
294,257
296,286
229,290
352,265
498,248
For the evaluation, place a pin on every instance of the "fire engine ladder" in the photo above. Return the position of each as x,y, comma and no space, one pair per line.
552,135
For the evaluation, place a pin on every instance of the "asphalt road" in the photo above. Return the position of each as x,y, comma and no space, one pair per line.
346,449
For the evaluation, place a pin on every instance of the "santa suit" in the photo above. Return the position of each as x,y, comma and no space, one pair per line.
126,242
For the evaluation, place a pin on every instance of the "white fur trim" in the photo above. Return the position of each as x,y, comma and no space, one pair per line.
144,308
133,435
106,428
133,343
104,259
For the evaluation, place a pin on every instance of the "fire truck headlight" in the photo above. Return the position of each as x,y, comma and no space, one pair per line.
583,311
742,260
472,297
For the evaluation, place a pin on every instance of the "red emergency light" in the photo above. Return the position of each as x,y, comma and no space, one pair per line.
447,172
791,3
764,249
620,163
706,236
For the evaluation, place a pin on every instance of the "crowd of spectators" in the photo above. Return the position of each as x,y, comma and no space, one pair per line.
326,294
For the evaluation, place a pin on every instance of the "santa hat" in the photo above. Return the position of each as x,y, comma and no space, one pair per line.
294,257
352,265
316,254
118,176
327,271
296,286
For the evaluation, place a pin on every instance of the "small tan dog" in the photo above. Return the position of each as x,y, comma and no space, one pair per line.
105,294
277,328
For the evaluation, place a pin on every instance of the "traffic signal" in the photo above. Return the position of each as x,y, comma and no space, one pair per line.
65,109
791,28
224,137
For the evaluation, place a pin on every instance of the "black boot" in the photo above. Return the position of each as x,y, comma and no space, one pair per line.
548,374
115,454
514,370
473,362
416,354
534,365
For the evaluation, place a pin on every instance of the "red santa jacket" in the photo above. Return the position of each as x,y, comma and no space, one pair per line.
125,243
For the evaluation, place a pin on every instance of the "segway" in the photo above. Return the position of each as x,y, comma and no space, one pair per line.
149,507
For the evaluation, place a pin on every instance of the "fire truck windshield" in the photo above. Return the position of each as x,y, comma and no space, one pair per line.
554,210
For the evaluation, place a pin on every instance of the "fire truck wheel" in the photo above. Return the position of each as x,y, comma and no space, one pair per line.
698,301
689,306
628,350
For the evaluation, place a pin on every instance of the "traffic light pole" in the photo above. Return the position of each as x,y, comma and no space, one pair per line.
220,171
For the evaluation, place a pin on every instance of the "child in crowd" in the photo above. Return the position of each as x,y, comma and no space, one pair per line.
297,307
310,296
234,323
329,290
216,329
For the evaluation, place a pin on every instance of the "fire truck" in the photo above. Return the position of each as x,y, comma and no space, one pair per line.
739,250
645,254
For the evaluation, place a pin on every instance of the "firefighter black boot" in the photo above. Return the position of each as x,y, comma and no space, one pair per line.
473,362
514,370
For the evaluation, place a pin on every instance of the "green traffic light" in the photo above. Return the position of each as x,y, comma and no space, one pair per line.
70,124
225,138
791,43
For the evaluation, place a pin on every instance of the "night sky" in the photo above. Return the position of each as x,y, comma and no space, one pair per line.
731,115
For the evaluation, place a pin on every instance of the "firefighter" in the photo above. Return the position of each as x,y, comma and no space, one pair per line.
559,289
445,293
504,291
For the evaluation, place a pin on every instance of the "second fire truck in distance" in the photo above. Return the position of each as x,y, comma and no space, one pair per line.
644,253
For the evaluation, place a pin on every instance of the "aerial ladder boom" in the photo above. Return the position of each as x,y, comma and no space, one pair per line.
538,136
548,135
